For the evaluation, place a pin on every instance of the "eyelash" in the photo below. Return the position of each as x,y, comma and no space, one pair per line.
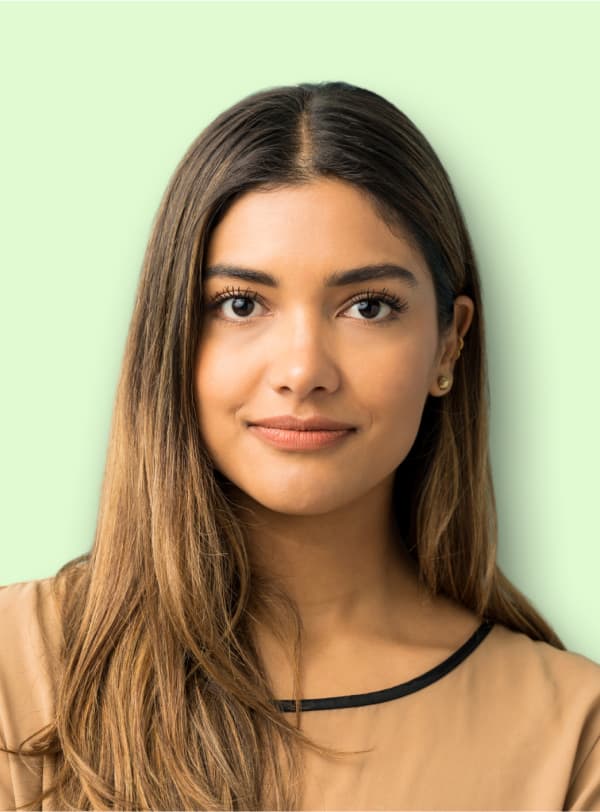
397,304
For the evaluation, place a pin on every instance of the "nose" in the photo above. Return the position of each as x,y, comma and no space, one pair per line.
303,356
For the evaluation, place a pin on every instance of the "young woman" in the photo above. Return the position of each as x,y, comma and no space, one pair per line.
292,600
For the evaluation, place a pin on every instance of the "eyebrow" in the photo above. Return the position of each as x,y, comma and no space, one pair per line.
382,270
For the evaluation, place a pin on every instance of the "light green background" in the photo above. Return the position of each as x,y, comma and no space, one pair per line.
100,101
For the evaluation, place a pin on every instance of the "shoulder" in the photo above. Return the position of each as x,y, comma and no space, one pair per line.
534,664
546,695
522,674
511,660
29,642
30,619
30,636
550,686
25,596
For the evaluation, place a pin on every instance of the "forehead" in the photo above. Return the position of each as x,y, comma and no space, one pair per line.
316,226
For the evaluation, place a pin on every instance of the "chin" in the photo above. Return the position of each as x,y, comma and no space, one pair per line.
292,501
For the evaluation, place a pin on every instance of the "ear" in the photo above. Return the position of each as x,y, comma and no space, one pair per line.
449,349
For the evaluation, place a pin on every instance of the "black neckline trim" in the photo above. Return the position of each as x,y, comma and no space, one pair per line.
385,695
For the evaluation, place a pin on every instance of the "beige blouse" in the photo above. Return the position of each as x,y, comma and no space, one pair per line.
505,723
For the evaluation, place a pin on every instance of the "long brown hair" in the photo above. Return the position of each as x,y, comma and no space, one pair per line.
163,701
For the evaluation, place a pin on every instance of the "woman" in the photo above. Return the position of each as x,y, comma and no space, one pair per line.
292,600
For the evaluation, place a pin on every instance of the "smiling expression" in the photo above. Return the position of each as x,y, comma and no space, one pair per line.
307,342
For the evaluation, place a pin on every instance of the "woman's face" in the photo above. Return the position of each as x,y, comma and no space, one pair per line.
306,348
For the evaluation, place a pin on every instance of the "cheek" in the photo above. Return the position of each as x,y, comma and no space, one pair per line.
394,393
218,386
217,376
396,380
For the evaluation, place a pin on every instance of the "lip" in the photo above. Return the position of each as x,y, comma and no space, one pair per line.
299,440
293,423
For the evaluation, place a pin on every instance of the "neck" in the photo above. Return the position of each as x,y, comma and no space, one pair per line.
347,570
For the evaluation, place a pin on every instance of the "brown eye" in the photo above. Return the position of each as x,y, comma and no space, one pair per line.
369,298
237,297
241,309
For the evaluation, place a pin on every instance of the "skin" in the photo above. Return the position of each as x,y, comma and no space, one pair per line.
321,523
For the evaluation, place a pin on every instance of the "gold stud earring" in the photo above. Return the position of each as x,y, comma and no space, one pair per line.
445,382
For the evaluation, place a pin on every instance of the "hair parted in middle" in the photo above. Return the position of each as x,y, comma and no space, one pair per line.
162,699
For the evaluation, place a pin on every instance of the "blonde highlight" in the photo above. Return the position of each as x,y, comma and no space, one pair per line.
162,699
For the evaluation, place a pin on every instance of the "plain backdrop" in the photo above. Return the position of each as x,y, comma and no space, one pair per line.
101,100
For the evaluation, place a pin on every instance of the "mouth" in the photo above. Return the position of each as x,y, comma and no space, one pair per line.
300,439
294,423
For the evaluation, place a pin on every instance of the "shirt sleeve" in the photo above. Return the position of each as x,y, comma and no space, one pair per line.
27,623
7,795
584,789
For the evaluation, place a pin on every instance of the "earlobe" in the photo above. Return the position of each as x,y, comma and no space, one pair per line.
444,382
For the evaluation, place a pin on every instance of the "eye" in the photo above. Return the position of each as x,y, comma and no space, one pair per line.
395,303
237,297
